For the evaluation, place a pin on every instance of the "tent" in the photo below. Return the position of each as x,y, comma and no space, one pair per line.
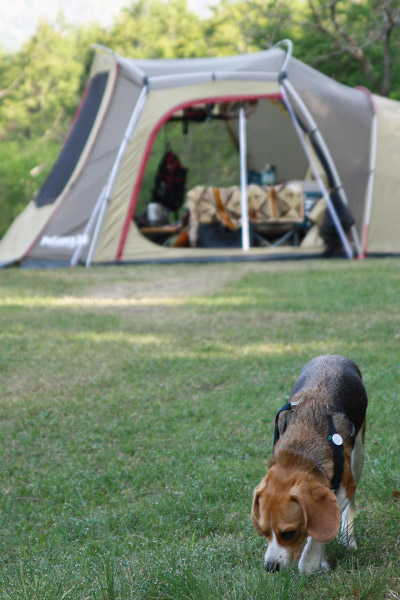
340,145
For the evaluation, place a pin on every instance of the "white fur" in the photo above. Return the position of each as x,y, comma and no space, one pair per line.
348,511
357,457
276,554
313,557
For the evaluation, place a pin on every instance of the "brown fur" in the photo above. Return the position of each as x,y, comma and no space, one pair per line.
294,499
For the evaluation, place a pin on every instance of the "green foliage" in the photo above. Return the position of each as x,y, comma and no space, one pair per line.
41,86
156,29
251,25
358,46
24,165
42,83
136,418
48,72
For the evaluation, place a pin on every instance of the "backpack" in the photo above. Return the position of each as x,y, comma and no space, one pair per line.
169,184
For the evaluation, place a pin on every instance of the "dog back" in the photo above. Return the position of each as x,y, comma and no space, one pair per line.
338,379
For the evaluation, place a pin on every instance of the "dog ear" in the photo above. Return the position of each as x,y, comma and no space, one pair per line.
255,511
320,510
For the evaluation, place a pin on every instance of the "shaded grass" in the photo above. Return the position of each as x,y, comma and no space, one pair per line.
136,418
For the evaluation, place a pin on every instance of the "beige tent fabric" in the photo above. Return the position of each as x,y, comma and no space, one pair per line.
79,200
102,62
24,231
29,225
271,122
384,229
148,251
343,116
159,103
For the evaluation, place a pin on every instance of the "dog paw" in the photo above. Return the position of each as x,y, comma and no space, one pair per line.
309,569
314,566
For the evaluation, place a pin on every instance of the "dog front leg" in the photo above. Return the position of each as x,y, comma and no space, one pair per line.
347,508
313,557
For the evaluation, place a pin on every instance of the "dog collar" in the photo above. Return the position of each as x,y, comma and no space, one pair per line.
334,438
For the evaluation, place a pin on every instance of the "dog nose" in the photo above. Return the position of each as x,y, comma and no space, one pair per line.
272,567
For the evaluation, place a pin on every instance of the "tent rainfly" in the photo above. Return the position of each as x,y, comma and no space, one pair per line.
339,146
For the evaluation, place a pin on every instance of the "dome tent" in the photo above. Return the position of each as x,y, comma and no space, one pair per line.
306,123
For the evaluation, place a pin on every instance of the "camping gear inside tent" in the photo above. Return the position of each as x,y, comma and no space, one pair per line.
248,157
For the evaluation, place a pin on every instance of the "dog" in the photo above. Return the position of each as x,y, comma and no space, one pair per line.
317,461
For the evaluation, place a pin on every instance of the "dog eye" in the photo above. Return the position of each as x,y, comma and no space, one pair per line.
286,536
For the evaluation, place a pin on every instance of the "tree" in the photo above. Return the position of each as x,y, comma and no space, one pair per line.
155,29
354,41
250,25
362,40
43,81
40,87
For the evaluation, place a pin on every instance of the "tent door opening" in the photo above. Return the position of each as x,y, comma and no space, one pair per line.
226,203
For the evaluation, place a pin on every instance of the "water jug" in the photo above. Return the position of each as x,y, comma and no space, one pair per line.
268,175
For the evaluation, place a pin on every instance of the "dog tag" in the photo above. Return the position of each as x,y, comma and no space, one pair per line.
337,439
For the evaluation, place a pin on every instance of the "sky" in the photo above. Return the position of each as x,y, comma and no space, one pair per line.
18,18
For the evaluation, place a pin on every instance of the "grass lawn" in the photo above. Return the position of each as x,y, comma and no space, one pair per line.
136,417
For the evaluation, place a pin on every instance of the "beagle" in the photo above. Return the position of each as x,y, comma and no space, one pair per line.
308,491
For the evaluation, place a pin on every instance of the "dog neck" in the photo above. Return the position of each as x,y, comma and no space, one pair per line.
289,457
312,460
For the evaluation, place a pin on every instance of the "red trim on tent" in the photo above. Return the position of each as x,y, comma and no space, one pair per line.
370,96
149,145
69,130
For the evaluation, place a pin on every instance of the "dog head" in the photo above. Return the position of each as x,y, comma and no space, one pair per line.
288,506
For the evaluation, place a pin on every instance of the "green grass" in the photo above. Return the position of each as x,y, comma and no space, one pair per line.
136,417
206,150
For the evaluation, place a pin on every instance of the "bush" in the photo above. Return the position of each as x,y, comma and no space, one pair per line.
24,165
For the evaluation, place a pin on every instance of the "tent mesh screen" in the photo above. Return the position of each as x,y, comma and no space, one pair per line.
74,143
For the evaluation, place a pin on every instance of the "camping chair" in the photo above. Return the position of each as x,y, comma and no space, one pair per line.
276,212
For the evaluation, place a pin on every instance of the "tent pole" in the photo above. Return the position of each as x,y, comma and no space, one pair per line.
89,226
372,161
283,78
289,51
324,148
114,172
326,195
243,179
137,74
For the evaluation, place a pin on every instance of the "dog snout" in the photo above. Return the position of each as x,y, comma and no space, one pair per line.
272,567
